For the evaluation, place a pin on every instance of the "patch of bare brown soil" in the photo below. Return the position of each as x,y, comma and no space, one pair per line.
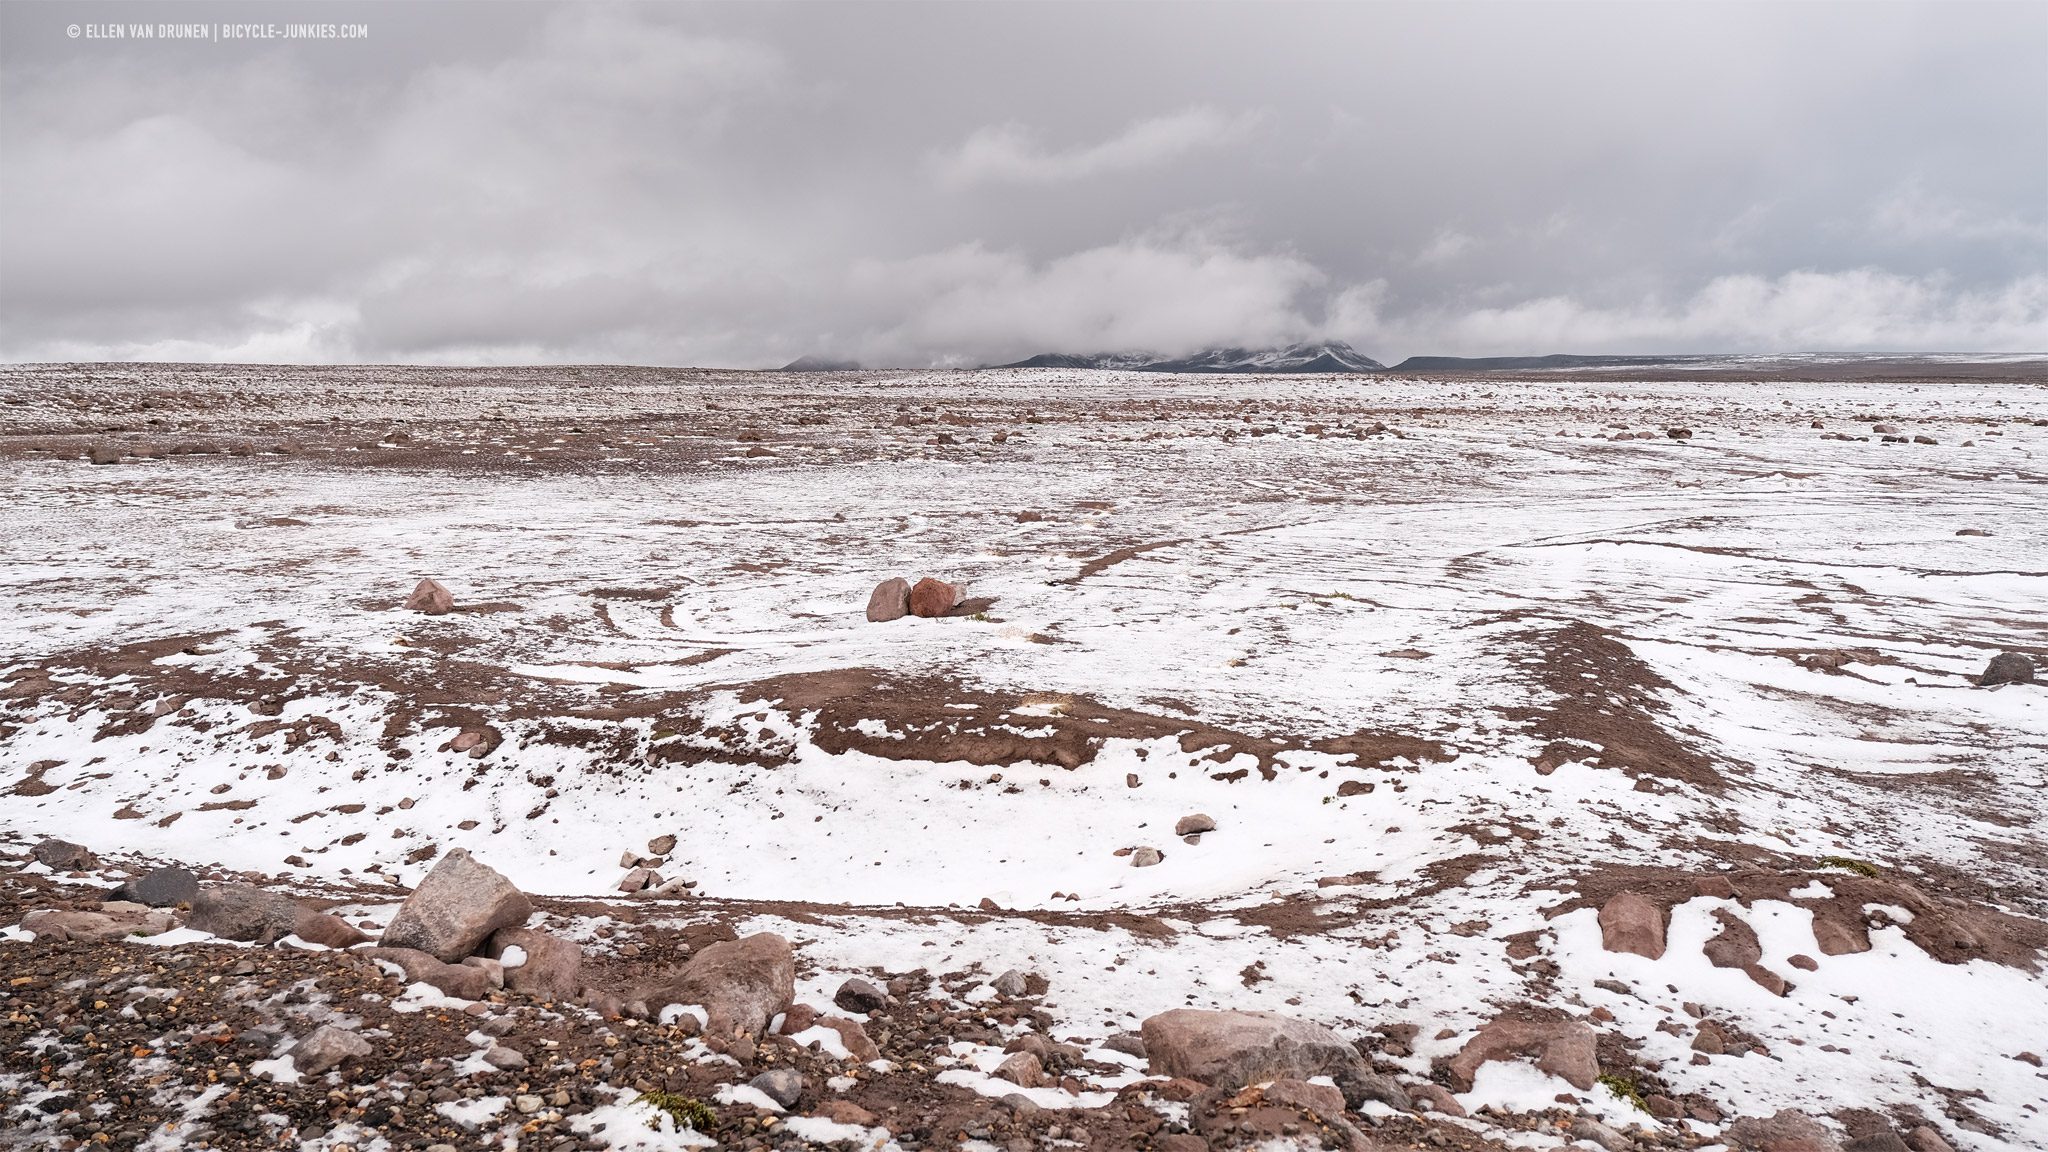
1604,707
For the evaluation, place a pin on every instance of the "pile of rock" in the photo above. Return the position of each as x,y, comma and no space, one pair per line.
643,875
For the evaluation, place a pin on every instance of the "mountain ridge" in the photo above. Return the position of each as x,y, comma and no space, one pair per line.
1333,356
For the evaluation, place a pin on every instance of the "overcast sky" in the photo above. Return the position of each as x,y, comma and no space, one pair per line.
965,183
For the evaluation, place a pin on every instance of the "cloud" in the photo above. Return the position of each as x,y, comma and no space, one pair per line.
1448,244
1855,310
1007,153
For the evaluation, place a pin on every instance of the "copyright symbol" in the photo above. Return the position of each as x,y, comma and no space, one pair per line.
72,31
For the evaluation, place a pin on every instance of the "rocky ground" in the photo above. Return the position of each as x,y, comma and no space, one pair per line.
585,758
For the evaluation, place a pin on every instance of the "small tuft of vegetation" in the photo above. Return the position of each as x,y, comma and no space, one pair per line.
981,616
1848,864
1624,1087
686,1111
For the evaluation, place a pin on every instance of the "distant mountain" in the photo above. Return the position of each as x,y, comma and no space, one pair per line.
1506,363
820,364
1322,356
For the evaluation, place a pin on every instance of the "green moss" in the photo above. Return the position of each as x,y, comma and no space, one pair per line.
1846,864
1624,1087
686,1111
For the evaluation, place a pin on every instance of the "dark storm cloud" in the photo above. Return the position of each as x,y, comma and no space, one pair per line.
953,184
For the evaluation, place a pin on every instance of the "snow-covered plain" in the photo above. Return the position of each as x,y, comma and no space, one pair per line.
1436,657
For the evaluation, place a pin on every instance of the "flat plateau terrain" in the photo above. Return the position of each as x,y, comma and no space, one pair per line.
1451,665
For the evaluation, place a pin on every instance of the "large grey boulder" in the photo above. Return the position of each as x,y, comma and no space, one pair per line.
456,908
160,888
2007,668
1233,1049
244,912
742,984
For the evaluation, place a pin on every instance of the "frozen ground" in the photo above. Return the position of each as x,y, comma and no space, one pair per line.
1447,662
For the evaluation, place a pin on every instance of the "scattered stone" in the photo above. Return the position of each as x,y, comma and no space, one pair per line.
1128,1043
551,968
636,880
327,1047
1194,825
1146,857
112,922
1563,1048
890,600
1011,983
63,856
930,597
429,597
1803,962
456,907
327,930
662,845
507,1059
1679,433
857,995
1766,979
1587,1128
1885,429
1632,923
1783,1131
160,888
782,1085
1233,1049
2007,668
742,984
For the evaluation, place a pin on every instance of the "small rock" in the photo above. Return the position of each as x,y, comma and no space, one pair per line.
429,597
1803,962
636,880
550,967
782,1085
1011,983
501,1057
742,984
1145,857
327,1047
1193,824
1925,1139
1587,1128
857,995
846,1112
1360,1087
1300,1094
662,845
527,1105
458,980
890,600
1021,1069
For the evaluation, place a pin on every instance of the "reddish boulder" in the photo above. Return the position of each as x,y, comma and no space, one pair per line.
429,597
1021,1069
1735,946
1300,1094
327,929
1564,1048
1632,923
890,600
931,597
855,1037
